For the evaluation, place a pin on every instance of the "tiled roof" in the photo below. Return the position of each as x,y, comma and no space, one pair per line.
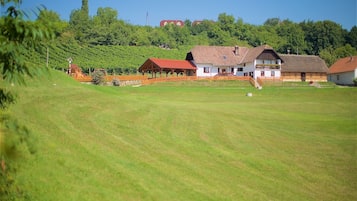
154,63
346,64
174,64
227,55
303,63
218,55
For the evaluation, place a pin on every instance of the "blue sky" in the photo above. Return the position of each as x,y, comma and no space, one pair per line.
343,12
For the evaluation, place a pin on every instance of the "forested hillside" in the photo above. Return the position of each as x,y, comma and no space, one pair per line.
88,38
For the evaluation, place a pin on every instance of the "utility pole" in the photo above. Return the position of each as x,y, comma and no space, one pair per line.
47,57
147,18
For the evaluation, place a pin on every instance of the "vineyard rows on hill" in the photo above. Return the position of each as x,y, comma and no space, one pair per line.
108,57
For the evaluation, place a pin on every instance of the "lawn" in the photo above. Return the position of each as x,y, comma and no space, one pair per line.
188,141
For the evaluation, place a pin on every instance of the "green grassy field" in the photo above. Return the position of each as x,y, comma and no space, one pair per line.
188,141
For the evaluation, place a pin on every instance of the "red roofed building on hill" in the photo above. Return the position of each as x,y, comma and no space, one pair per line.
344,71
179,23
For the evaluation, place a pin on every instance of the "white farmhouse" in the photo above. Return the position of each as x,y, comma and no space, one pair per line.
343,71
256,62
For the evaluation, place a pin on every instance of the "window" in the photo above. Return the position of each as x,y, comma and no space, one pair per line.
240,69
267,61
232,70
262,73
206,69
273,73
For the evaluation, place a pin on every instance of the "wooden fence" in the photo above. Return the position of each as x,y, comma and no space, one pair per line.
110,78
191,78
145,80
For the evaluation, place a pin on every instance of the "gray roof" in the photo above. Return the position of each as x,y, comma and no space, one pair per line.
303,63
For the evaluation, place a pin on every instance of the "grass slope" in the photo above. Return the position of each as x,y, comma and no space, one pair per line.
188,141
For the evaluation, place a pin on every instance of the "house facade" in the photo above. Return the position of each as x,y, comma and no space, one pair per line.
260,61
344,71
303,68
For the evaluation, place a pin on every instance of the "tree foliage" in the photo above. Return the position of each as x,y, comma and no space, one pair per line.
307,37
17,36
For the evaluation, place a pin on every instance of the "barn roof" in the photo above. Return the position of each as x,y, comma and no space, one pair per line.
303,63
346,64
167,64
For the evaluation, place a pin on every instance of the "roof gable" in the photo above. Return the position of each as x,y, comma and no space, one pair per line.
346,64
260,52
303,63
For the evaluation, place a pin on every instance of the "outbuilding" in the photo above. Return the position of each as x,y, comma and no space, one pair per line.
303,68
167,66
343,71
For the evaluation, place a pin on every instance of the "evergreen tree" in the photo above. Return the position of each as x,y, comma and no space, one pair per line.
85,8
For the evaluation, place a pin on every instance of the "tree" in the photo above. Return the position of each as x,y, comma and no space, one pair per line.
51,20
104,29
352,37
293,36
345,51
107,16
80,24
322,34
226,23
85,8
272,22
141,36
16,37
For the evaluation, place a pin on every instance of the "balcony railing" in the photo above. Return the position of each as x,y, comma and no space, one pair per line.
270,66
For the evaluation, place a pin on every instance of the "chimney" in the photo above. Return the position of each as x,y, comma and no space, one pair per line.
236,50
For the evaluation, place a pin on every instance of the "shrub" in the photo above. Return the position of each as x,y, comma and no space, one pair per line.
116,82
355,81
98,78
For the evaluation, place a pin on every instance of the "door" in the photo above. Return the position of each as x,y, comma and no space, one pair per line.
303,77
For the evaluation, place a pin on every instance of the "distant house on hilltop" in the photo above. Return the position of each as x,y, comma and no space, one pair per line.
303,68
343,71
179,23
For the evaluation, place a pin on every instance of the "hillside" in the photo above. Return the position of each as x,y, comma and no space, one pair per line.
192,141
124,57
